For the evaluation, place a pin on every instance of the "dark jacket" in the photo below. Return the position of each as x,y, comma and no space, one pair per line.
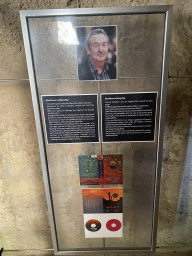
85,72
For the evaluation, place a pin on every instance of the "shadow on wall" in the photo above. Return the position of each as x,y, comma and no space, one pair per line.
178,118
184,211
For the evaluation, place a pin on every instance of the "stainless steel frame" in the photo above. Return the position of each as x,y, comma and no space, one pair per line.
24,15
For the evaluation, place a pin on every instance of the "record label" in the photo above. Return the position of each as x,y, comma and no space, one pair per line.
113,225
93,225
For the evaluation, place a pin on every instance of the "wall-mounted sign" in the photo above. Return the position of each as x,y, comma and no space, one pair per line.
71,118
128,117
98,80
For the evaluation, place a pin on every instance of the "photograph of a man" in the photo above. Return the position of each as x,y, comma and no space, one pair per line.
95,53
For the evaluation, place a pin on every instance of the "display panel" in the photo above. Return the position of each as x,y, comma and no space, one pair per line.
128,117
71,118
98,80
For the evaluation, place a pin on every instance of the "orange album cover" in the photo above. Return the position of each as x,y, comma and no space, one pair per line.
103,200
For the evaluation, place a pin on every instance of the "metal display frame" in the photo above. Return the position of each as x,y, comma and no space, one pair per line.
167,11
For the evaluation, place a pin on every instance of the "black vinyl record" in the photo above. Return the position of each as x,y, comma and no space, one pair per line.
93,225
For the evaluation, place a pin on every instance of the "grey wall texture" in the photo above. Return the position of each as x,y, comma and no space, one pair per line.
24,221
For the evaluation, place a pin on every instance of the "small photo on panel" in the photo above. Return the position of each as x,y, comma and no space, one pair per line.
97,53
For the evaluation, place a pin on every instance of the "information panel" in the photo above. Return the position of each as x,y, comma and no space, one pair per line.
128,117
98,81
71,118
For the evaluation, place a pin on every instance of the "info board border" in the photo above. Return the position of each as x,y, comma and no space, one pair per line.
25,15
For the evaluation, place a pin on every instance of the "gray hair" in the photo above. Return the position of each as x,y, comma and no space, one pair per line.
95,32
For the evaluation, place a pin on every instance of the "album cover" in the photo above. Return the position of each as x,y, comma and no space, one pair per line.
103,209
89,170
113,169
103,200
100,169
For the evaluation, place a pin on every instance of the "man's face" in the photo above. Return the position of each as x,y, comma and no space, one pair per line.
98,50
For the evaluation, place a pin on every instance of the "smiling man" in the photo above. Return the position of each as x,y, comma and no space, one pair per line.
94,66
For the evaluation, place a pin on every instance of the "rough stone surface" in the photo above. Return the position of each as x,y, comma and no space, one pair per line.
23,207
176,139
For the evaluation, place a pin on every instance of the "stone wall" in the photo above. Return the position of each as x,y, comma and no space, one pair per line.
24,223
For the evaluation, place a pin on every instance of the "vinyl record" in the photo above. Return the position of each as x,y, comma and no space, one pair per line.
113,225
93,225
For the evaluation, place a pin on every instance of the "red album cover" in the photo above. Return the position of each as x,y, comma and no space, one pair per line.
113,169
